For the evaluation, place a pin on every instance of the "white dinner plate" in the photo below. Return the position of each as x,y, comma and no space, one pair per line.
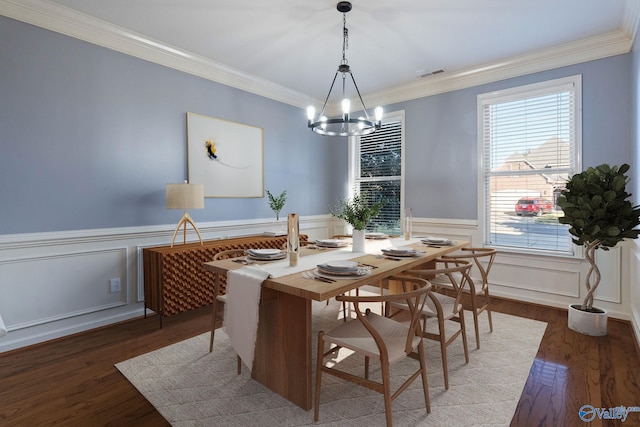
332,243
342,265
264,251
376,236
400,249
275,257
435,239
351,275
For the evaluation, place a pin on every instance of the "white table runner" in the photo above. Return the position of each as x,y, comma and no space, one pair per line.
242,307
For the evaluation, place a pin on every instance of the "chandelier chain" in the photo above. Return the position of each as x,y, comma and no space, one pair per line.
345,38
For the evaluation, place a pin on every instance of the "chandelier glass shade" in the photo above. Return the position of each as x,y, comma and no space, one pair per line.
346,124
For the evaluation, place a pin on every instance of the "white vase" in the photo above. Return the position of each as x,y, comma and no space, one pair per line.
358,240
586,322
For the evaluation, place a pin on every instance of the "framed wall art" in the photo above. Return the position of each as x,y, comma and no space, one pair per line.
227,157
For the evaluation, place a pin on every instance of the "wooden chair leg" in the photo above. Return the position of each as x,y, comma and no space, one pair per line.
475,311
214,316
425,383
366,367
239,365
386,387
464,336
443,352
488,302
319,363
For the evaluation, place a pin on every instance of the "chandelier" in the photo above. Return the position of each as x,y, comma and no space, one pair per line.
345,125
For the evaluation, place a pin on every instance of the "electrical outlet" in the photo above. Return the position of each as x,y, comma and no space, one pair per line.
114,285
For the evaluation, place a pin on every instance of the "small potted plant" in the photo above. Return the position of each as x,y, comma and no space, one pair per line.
357,211
596,208
276,203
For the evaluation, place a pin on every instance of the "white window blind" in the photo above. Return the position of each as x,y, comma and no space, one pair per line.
376,172
530,146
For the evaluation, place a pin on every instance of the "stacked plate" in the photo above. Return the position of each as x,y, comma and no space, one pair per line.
400,251
438,241
342,268
375,236
266,254
331,243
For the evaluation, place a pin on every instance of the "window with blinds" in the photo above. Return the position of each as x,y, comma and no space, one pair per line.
376,172
530,138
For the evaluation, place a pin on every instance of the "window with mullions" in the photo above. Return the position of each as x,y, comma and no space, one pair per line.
376,172
530,143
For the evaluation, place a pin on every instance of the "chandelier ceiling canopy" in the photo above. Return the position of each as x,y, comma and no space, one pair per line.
346,125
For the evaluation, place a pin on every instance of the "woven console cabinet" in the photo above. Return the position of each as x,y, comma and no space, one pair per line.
175,280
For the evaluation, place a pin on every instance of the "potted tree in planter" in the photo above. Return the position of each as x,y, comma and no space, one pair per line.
596,208
357,212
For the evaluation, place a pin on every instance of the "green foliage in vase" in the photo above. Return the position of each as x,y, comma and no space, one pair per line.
357,211
596,208
276,203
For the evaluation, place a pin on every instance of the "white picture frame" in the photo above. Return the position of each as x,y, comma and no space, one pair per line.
227,157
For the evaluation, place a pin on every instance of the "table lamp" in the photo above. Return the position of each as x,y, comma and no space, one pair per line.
185,196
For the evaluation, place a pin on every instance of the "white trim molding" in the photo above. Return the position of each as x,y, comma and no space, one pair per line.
57,283
67,21
44,264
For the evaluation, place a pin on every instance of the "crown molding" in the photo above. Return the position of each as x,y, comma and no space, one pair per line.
630,18
54,17
60,19
589,49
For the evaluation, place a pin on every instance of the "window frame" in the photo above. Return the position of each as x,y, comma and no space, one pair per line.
396,116
519,93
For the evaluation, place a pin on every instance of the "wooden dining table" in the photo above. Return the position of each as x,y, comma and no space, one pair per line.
283,350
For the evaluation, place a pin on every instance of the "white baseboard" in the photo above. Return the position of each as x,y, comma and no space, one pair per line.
26,337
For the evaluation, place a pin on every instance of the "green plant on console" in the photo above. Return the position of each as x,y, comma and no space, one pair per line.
596,208
277,203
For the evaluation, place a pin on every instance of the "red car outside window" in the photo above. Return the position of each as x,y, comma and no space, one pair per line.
533,206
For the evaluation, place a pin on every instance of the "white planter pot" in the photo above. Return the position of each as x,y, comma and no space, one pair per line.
358,240
587,323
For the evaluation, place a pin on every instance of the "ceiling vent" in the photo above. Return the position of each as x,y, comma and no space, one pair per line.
423,73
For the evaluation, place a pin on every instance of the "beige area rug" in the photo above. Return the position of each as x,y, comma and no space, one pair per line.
192,387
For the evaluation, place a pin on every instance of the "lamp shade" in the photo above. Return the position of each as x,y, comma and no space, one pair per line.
185,196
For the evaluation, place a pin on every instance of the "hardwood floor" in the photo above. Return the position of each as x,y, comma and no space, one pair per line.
73,382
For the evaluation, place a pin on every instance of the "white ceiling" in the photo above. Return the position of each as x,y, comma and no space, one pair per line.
298,44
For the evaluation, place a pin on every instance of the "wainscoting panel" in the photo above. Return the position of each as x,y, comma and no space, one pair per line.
49,288
608,263
536,279
55,284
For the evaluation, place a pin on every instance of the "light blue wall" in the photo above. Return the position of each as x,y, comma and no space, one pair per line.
89,137
441,135
635,114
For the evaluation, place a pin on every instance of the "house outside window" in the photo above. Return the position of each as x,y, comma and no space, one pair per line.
530,143
376,171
